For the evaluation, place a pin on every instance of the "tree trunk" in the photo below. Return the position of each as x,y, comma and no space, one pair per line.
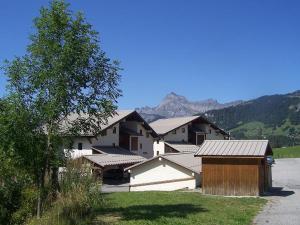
41,185
54,182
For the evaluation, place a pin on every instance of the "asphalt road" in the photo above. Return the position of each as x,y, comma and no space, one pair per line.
283,207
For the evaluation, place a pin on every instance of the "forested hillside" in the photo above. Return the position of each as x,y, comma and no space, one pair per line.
276,117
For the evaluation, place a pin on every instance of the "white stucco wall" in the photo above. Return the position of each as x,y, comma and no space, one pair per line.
86,147
159,147
147,143
109,138
87,144
214,135
179,136
158,171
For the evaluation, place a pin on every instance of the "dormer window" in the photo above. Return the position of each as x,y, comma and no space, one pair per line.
114,130
79,147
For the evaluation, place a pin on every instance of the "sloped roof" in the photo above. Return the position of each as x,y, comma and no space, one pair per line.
182,147
234,148
163,126
119,116
112,150
186,160
119,158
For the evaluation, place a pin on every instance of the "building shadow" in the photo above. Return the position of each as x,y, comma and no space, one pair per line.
278,191
153,212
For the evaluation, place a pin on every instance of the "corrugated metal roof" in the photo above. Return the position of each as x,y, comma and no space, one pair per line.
234,148
163,126
181,147
186,160
114,159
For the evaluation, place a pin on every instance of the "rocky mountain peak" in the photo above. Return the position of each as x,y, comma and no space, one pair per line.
174,105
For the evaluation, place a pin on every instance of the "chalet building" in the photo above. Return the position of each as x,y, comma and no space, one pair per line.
184,134
125,139
236,167
126,131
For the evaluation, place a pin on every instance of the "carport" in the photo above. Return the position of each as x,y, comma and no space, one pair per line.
110,167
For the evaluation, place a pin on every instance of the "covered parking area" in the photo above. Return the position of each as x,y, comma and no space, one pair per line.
110,167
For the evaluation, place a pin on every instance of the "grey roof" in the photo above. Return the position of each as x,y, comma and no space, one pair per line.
103,160
234,148
163,126
182,147
186,160
120,114
116,118
112,150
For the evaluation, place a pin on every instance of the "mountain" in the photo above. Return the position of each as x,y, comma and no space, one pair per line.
174,105
274,117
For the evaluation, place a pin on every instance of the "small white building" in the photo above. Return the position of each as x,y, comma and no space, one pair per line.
167,172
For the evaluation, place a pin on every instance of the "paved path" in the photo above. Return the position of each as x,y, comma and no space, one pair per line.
108,188
283,207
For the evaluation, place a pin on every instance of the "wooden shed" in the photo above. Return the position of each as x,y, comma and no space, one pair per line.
235,167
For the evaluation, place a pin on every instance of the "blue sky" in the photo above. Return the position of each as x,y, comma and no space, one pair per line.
225,50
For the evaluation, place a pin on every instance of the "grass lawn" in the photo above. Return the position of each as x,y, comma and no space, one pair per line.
176,208
289,152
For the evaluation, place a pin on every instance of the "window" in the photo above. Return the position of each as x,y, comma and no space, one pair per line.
174,132
79,146
141,132
157,152
114,144
183,130
157,141
210,131
104,133
141,146
147,135
114,130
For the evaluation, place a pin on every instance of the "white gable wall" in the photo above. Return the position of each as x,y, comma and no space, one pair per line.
86,147
110,138
179,136
161,171
87,143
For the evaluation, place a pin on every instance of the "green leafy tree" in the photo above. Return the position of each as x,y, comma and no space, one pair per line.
66,81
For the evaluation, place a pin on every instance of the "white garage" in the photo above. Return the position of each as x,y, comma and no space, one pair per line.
167,172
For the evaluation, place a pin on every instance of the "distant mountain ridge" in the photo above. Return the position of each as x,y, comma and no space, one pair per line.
273,117
174,105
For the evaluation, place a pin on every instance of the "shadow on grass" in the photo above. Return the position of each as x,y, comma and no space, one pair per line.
153,212
278,191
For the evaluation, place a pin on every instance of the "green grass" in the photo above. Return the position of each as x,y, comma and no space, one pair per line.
288,152
155,208
176,208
